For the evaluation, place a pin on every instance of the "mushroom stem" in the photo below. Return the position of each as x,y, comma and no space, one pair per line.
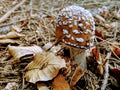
79,56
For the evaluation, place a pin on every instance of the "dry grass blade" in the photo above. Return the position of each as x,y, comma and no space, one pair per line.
4,17
106,75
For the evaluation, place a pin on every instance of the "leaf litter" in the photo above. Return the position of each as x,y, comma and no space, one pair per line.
26,25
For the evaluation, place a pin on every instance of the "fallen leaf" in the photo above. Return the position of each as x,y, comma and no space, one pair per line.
59,83
11,35
20,52
96,54
44,67
42,86
78,73
8,41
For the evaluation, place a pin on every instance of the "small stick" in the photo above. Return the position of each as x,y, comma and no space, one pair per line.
5,16
6,80
59,40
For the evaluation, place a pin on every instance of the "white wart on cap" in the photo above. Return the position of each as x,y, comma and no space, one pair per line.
77,26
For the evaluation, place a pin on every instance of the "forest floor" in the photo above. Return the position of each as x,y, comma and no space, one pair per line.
33,22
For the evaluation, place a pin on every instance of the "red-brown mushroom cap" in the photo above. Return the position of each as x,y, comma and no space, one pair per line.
77,26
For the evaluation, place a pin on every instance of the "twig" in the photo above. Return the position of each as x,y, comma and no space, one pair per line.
115,54
106,75
6,80
5,16
106,42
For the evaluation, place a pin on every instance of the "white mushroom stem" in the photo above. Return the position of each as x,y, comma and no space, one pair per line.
79,55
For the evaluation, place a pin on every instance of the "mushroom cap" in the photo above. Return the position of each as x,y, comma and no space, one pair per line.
76,27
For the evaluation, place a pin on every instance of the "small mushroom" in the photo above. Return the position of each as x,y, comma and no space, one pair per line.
76,28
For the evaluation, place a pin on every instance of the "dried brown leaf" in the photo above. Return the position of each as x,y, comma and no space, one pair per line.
78,73
96,53
6,41
59,83
19,52
44,67
11,35
42,86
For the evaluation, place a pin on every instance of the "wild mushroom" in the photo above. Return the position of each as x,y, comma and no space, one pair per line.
76,28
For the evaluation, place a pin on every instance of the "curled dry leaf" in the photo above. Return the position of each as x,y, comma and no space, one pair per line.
42,86
96,54
73,73
59,83
44,67
11,35
78,73
6,41
20,52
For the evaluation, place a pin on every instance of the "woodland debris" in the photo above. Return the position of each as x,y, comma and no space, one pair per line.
21,52
45,66
8,41
106,74
42,86
11,35
11,86
59,83
5,16
15,28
